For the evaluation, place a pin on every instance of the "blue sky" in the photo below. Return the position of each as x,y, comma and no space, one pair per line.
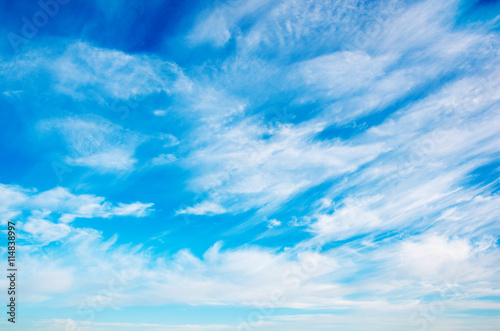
252,165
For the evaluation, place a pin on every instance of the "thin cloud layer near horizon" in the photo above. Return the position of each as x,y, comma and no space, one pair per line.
251,165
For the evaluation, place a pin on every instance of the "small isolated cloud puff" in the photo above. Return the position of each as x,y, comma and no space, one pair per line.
114,160
273,223
159,112
204,208
163,159
136,209
169,140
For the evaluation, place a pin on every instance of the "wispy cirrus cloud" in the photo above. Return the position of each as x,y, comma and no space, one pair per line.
265,166
357,82
352,145
96,143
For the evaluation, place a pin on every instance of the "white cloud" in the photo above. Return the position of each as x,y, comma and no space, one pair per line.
107,77
435,144
269,321
263,173
95,142
272,223
435,257
43,278
45,231
11,197
213,29
113,160
169,140
83,70
244,276
69,205
159,112
72,206
68,324
236,162
204,208
216,26
61,205
402,185
252,276
163,159
340,73
355,217
136,209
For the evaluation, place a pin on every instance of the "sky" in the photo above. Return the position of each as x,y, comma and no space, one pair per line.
251,165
